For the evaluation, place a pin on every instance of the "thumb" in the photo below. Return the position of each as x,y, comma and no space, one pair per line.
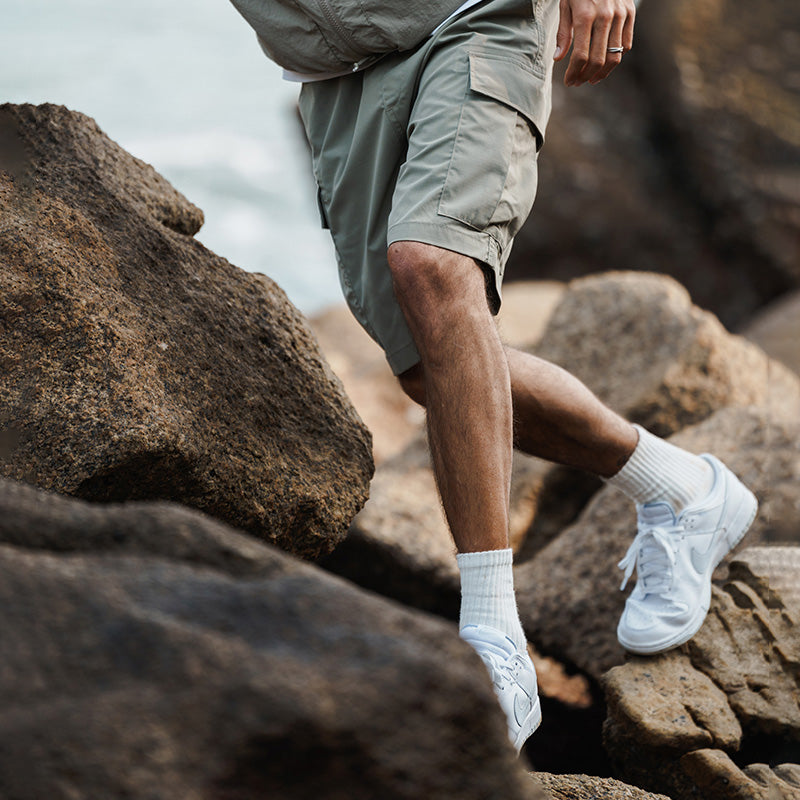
564,35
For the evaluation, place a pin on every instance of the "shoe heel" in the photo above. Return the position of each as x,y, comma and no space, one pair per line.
743,519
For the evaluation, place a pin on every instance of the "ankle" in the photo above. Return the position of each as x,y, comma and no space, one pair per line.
487,593
658,471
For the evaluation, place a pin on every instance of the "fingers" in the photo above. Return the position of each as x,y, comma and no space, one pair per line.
564,35
596,26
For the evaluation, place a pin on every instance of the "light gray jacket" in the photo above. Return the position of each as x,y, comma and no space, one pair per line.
327,36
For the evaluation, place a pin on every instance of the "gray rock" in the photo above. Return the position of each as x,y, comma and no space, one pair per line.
638,342
183,659
776,330
135,364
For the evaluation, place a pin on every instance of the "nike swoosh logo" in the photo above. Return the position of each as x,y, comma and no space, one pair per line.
523,708
701,561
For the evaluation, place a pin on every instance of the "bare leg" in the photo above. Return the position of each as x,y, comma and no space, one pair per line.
559,419
467,389
555,416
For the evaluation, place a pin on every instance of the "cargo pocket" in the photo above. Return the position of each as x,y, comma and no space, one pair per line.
508,98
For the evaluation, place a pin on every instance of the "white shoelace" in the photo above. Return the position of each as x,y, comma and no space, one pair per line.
500,670
652,553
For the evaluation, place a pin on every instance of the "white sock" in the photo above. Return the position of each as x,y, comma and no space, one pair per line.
487,593
658,471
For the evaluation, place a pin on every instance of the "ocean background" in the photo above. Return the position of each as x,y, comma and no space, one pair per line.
183,85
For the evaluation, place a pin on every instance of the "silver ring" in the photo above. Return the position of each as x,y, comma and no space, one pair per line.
616,49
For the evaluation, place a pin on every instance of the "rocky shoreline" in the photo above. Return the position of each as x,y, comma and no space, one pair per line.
175,450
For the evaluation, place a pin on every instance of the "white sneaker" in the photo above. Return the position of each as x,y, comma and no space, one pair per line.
674,558
513,677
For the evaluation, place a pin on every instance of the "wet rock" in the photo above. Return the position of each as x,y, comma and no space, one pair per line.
135,364
569,595
188,660
697,722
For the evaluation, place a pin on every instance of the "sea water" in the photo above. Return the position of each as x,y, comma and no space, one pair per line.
183,85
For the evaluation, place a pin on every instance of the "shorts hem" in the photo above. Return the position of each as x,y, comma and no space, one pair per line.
403,359
454,236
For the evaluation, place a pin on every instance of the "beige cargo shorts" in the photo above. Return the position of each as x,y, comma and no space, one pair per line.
435,145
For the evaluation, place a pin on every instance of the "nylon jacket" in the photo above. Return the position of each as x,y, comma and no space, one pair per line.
327,36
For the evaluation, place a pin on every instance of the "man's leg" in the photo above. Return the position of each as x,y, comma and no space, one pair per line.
691,509
467,387
468,397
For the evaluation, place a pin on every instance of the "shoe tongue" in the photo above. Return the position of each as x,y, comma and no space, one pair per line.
654,514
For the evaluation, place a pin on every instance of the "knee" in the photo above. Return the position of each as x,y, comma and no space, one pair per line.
427,277
436,289
412,382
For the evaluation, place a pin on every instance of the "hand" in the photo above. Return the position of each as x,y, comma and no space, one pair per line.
592,27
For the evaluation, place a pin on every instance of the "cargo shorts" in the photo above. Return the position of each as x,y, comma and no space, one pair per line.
435,145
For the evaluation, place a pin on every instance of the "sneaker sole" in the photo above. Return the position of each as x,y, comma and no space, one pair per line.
742,519
530,724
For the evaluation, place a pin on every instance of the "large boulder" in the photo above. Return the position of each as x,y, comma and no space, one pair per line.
160,653
637,341
136,364
776,330
719,719
569,596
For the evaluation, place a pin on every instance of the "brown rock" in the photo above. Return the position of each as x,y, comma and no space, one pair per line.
130,674
722,75
391,416
526,309
568,594
776,330
688,723
667,703
138,365
589,787
717,776
751,650
637,342
774,570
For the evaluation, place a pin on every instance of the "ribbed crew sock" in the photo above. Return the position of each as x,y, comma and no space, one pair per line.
487,593
660,471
